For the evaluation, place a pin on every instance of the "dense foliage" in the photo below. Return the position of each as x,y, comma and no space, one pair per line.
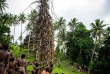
102,63
80,46
4,34
87,48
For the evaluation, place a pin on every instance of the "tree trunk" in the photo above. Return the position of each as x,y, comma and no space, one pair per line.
28,45
21,33
73,31
21,29
93,52
14,35
13,38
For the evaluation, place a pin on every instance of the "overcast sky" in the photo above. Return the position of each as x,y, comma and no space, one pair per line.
85,11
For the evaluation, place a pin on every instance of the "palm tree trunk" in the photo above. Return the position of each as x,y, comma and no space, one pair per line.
21,29
13,38
93,52
9,35
73,33
14,35
21,38
28,45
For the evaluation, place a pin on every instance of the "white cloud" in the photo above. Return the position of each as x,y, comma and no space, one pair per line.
16,7
107,20
85,11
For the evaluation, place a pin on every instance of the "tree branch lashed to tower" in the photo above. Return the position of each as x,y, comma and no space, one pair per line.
44,37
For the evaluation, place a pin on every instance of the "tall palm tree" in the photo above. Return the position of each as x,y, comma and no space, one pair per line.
3,5
32,18
97,31
60,26
8,20
22,20
15,23
73,25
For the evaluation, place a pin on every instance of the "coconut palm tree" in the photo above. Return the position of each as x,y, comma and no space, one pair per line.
7,19
10,20
22,20
61,28
32,18
97,31
15,23
3,5
73,25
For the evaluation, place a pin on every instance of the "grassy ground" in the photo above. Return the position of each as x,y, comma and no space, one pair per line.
17,52
56,70
60,71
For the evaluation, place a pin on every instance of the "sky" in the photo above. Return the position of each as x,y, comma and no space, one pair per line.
85,11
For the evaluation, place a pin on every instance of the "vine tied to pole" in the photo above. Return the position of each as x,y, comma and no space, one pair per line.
43,31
